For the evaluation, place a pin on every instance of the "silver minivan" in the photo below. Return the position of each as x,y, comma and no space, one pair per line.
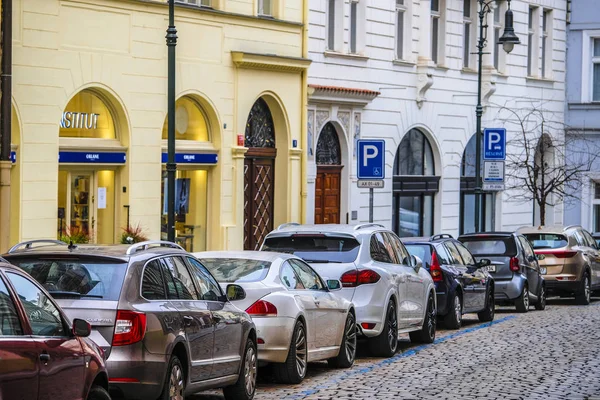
165,326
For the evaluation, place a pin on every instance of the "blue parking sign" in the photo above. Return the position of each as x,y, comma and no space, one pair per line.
371,159
494,144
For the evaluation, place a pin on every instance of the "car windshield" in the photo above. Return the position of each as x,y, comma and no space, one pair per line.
423,251
77,278
490,246
316,248
230,270
547,240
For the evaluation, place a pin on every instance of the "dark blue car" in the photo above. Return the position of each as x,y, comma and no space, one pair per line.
462,284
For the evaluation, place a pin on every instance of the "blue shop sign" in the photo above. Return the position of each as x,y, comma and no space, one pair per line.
192,158
84,157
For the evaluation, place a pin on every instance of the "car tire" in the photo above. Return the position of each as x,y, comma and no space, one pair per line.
583,296
386,343
293,370
98,393
347,354
245,387
453,320
487,315
542,298
427,333
174,380
522,302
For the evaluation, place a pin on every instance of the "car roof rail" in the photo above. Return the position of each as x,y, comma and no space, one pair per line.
363,226
442,236
141,246
287,224
28,244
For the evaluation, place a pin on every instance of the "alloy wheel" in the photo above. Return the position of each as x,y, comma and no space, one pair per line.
250,370
176,383
301,351
491,305
586,288
431,320
457,308
392,324
543,297
526,297
350,337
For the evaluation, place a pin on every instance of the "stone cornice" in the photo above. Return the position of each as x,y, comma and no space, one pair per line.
340,95
269,62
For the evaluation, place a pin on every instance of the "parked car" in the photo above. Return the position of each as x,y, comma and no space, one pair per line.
165,326
596,237
390,290
43,354
462,285
298,317
570,257
514,266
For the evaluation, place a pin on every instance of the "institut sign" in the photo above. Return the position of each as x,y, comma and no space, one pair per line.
78,120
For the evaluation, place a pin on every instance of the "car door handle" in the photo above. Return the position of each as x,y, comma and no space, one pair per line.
187,320
45,357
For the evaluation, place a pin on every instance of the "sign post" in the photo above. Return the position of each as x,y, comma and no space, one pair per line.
494,154
371,167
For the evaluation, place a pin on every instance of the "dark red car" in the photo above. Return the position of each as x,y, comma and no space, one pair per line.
41,355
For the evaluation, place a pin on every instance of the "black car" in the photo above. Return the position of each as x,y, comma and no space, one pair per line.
462,285
514,266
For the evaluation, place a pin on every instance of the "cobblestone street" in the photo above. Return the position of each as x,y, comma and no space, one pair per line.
551,354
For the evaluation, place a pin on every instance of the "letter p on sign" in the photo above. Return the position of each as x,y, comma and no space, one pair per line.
369,151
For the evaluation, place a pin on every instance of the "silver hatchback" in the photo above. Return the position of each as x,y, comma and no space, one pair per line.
166,327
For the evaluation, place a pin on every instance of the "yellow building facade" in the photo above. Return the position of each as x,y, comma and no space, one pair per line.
90,111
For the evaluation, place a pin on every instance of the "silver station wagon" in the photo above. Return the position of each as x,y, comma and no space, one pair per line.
166,327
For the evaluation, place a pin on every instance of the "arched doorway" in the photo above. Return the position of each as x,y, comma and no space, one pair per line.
415,186
467,194
329,177
259,175
92,154
193,131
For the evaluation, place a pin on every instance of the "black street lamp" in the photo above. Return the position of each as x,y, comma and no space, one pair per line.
508,41
171,165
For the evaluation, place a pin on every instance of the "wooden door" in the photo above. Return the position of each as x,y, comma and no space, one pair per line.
327,194
259,185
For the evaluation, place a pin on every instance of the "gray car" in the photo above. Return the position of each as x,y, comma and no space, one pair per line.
166,327
513,265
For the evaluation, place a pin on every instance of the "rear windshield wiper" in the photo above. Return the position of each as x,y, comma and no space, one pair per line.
321,261
59,293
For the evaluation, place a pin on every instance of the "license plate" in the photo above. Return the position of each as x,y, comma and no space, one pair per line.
491,268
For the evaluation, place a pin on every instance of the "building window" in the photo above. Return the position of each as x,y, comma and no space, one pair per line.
400,15
467,29
265,7
596,207
353,25
596,70
203,3
532,42
437,31
499,56
546,43
331,24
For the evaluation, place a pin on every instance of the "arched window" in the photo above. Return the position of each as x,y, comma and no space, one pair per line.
467,193
260,131
88,116
190,121
328,147
415,186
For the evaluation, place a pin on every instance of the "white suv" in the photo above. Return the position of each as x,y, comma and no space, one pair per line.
392,293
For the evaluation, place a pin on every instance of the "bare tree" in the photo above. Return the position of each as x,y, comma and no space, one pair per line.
546,162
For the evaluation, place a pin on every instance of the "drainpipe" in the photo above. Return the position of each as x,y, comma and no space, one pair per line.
5,123
304,118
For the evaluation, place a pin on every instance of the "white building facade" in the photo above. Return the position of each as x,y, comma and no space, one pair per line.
404,71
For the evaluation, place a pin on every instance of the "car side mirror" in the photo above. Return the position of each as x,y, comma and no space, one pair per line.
484,262
235,292
334,285
81,328
416,262
540,257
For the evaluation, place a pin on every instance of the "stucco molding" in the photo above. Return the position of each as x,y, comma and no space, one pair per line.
340,95
269,62
424,81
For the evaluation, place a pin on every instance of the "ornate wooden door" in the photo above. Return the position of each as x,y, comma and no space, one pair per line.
329,177
259,175
327,195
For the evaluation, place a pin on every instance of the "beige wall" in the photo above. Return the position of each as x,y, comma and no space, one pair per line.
118,48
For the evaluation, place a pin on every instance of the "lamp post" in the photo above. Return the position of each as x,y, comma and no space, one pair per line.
171,165
508,41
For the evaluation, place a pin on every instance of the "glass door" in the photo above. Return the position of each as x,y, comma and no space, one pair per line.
81,211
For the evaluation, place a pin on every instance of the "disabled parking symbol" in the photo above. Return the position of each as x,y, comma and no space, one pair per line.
377,171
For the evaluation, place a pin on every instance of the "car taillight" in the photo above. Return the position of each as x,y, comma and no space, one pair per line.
262,308
514,264
130,328
434,268
356,278
558,253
